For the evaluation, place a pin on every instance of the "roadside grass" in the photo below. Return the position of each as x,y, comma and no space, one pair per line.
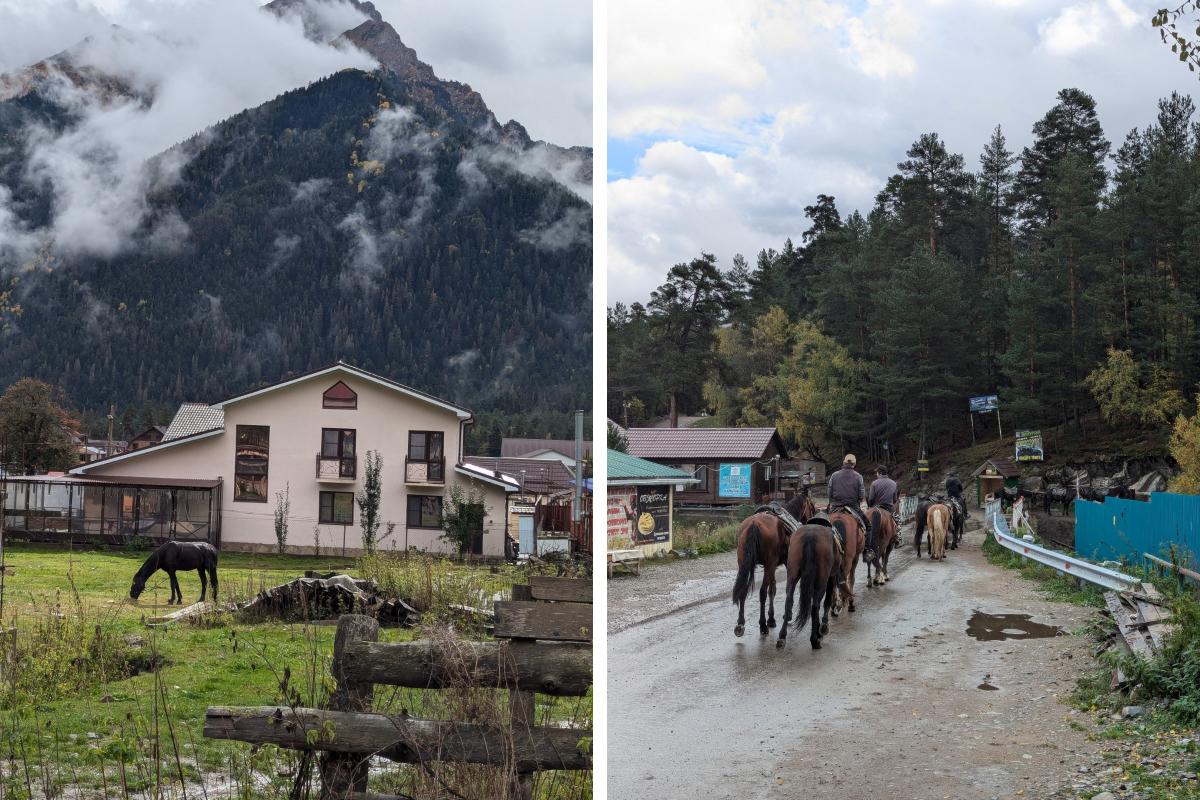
707,538
93,703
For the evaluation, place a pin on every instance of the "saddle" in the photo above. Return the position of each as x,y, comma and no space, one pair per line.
775,507
839,542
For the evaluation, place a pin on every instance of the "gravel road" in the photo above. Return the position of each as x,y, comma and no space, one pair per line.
889,708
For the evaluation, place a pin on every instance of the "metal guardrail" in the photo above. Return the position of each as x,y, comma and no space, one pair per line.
1092,573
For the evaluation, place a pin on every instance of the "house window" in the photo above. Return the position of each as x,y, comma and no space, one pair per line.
339,396
426,446
337,444
424,511
336,508
250,463
699,471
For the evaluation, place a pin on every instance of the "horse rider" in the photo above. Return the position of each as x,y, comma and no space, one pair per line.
885,494
846,491
954,488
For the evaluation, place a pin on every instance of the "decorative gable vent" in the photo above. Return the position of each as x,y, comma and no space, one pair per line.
339,396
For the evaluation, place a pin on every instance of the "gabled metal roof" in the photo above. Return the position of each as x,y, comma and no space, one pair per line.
192,418
687,443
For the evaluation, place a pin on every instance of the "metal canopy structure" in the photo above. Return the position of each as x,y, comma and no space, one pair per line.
111,509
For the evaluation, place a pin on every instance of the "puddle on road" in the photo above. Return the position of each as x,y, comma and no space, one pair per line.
987,687
999,627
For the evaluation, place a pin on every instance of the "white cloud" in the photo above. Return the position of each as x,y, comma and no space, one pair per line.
197,63
530,59
829,96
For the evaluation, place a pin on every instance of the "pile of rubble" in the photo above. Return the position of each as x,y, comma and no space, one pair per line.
328,596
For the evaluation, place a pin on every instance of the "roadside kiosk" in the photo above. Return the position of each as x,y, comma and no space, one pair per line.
993,475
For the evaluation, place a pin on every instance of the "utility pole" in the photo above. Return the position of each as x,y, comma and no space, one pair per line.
577,509
112,413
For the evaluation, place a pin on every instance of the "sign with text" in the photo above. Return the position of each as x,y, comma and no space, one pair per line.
1029,446
652,521
734,480
987,402
922,465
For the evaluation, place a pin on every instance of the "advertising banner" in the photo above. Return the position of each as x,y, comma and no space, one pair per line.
652,523
734,480
987,402
1029,446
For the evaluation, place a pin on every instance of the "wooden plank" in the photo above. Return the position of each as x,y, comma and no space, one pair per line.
1126,623
1155,616
561,669
399,737
523,619
566,590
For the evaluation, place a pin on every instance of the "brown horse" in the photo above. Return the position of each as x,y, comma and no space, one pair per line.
813,563
854,539
762,539
883,525
939,517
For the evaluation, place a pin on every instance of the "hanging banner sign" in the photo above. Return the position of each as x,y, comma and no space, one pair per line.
1029,446
984,403
734,480
922,465
652,523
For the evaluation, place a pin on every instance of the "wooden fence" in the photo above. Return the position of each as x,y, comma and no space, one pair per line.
543,645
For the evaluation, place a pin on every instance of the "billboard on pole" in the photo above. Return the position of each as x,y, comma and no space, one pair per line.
983,403
1029,446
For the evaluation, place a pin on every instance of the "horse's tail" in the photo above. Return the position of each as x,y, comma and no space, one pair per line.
745,576
808,581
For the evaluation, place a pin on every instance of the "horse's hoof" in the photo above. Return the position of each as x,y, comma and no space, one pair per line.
852,609
738,630
763,631
779,644
770,623
824,628
816,644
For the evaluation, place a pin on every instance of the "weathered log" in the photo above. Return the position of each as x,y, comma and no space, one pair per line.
567,622
399,738
346,771
562,669
568,590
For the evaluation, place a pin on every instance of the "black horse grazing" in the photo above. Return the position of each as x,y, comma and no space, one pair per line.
174,556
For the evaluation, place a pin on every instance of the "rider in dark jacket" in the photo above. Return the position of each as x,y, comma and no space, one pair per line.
846,491
954,488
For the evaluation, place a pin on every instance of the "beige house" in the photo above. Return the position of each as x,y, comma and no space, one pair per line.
310,435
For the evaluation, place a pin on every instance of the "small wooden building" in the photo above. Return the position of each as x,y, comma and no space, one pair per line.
641,503
732,466
994,474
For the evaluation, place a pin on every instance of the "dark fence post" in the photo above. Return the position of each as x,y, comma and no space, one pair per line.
344,773
521,706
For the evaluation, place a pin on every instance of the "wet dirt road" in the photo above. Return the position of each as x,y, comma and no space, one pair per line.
890,707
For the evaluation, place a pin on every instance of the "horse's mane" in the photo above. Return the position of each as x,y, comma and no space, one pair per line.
149,565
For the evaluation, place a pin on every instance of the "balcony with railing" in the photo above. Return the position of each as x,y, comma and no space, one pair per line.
425,472
336,469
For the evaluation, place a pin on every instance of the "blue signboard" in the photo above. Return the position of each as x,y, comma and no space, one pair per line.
734,480
987,402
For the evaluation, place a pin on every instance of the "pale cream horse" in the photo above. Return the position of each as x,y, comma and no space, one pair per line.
938,521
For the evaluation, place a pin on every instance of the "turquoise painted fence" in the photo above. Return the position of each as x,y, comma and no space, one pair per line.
1124,529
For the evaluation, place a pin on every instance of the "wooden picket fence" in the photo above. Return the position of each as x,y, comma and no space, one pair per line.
543,645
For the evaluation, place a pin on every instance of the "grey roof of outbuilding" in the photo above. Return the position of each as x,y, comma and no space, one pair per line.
517,448
685,443
536,476
192,418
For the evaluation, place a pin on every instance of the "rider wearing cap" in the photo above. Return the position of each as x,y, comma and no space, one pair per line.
846,491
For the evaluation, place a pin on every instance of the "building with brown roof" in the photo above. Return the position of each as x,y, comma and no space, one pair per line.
732,465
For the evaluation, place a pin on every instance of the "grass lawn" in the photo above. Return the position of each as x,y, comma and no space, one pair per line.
63,723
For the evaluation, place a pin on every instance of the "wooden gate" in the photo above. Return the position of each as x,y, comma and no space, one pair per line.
543,645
